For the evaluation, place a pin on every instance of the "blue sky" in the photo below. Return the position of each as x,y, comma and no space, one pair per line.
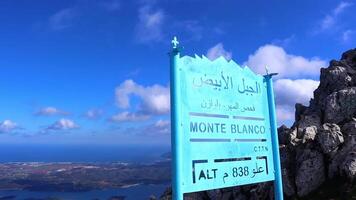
97,71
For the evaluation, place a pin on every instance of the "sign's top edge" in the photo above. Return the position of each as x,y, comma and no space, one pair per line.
219,60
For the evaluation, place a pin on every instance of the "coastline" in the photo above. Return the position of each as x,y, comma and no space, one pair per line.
134,192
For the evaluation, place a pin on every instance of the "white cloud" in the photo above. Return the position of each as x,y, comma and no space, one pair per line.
50,111
330,20
327,22
149,27
287,65
63,124
289,88
163,126
285,114
159,128
7,126
153,132
154,99
62,19
289,92
127,116
341,7
347,35
162,123
93,113
217,51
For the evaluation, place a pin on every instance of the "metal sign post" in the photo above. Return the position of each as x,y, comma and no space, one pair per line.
278,186
177,193
223,125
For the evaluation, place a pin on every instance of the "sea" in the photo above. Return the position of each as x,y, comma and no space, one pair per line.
143,154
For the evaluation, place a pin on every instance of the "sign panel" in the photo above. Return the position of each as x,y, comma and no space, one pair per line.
224,126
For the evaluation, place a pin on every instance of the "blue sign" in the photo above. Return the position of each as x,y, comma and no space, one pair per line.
222,129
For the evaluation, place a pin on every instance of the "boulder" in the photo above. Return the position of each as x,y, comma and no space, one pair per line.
309,133
308,120
334,78
299,110
349,58
340,158
293,138
349,130
287,171
340,106
196,196
329,138
214,194
310,172
262,191
348,167
227,195
283,132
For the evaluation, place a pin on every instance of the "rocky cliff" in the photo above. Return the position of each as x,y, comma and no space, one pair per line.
318,153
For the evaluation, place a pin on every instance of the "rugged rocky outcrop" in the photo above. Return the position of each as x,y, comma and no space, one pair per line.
318,153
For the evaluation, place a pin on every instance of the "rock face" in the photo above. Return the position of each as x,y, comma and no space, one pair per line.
330,137
340,105
320,147
311,172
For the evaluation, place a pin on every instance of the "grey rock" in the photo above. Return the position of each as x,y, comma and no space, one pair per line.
227,195
288,183
340,106
349,57
309,120
214,194
339,75
262,191
309,133
340,157
195,196
240,197
293,137
287,168
348,167
283,132
299,110
332,79
310,173
329,137
349,130
236,191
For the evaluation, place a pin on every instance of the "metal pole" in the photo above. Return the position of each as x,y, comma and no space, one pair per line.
176,145
278,186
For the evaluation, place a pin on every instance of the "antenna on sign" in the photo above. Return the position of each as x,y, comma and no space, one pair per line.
266,68
175,42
